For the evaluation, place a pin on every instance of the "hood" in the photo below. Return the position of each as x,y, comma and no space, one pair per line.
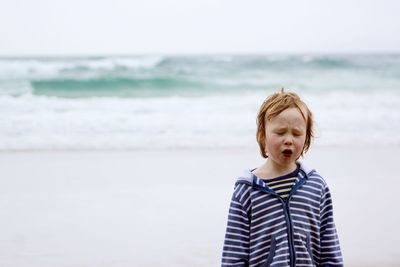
247,177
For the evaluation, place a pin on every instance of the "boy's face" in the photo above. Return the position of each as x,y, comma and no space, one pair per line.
285,137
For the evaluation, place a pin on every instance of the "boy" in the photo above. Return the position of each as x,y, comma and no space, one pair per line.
281,212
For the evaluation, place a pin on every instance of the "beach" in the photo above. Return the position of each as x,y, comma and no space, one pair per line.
168,207
115,161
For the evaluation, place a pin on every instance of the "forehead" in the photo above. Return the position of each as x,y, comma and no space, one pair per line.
292,115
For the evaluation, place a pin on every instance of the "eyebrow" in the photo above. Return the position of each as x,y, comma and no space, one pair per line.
280,128
298,129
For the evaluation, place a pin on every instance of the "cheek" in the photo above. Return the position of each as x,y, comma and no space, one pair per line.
300,142
273,143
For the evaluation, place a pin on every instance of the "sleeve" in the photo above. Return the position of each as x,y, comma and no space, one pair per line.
330,253
236,244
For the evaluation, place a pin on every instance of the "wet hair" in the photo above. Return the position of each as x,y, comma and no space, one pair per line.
275,104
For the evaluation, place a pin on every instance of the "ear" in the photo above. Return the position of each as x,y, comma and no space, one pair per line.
266,151
265,144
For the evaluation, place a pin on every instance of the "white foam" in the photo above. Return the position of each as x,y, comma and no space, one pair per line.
51,68
39,122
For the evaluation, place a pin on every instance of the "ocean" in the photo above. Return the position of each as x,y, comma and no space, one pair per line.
202,101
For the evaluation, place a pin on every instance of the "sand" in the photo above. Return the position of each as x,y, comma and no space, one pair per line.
169,207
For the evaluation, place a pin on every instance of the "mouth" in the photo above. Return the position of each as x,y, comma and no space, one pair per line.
287,152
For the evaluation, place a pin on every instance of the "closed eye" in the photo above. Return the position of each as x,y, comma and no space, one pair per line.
297,133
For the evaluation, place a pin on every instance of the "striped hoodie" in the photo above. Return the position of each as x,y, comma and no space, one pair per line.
266,230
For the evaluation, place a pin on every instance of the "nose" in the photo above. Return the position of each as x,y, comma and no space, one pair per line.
288,139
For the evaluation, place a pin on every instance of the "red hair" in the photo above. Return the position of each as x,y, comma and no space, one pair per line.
275,104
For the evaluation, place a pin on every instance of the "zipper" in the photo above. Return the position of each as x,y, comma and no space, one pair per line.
286,208
290,228
292,253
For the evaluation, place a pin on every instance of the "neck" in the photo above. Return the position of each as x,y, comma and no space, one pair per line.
274,170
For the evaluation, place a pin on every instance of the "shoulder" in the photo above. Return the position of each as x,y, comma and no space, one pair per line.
311,173
314,178
243,185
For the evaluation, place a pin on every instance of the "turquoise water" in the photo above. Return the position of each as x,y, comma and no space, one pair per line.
191,101
150,76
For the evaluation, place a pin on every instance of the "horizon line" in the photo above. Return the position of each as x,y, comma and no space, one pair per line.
177,54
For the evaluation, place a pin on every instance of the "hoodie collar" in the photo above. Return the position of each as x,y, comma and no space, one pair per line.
247,177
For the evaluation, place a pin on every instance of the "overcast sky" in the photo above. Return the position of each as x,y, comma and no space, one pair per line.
65,27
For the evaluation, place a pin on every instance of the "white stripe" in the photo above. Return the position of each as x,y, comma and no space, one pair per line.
237,253
305,217
233,246
238,189
313,188
237,228
318,185
238,216
267,215
307,212
237,240
270,234
235,234
308,192
269,229
334,246
262,255
285,248
262,202
267,208
283,261
248,189
306,198
281,236
302,229
304,204
239,210
330,240
242,223
247,200
323,213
